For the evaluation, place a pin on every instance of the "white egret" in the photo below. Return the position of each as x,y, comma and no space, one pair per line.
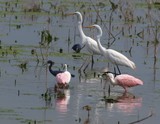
110,54
89,43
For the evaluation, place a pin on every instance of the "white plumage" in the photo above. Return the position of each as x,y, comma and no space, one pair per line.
112,55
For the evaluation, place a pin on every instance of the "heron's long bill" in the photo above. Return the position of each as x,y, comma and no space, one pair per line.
69,14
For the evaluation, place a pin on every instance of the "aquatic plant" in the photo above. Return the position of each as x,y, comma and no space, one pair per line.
46,39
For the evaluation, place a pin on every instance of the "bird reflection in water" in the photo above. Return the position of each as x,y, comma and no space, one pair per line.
62,100
126,103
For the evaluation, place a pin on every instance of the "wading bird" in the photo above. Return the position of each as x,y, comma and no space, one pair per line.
77,47
55,72
111,55
123,80
90,43
63,78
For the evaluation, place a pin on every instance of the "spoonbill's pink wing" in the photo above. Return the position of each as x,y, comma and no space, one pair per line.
67,76
60,78
126,80
63,78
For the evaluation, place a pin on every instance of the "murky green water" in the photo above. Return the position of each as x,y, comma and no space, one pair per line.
24,81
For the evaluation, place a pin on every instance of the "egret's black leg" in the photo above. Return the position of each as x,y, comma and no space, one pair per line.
92,62
118,69
86,66
82,65
115,74
109,91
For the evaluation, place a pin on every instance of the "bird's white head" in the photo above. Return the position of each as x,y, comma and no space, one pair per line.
65,67
110,75
79,17
98,28
78,14
111,78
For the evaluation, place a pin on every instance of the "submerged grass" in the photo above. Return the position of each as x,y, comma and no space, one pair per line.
29,94
10,50
39,108
6,110
109,99
30,121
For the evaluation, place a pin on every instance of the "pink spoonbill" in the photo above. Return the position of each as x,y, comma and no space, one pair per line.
63,78
123,80
55,72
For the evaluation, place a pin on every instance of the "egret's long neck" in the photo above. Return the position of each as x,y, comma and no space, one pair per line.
80,29
101,48
82,35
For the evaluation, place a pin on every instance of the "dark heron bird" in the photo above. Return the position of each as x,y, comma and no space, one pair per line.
77,47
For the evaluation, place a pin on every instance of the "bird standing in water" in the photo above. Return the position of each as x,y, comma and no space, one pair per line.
91,44
123,80
63,78
77,48
55,72
112,55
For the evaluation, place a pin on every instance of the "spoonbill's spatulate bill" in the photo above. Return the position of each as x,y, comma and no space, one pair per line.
124,80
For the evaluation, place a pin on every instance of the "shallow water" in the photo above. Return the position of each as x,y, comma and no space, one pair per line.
24,81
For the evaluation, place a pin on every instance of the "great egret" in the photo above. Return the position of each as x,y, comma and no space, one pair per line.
63,78
90,43
124,80
110,54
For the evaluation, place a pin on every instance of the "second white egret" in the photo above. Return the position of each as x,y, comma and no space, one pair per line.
111,55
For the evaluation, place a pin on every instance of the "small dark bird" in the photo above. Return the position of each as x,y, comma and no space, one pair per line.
77,48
